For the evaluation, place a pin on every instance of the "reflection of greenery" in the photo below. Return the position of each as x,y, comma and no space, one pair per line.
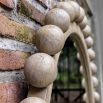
68,68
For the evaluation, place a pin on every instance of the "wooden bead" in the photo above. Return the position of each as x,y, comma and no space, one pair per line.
83,82
33,100
81,70
49,39
85,97
94,80
91,54
75,45
81,16
58,17
40,70
96,97
83,23
87,31
76,8
93,67
78,56
68,8
43,93
89,41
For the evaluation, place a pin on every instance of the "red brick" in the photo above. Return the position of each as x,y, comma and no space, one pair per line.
8,3
35,10
11,60
11,92
14,30
45,2
48,3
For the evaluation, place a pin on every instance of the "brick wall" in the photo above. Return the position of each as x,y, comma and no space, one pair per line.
18,21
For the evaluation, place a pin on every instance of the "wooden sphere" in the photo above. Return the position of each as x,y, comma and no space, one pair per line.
76,8
40,70
75,45
87,31
68,8
83,82
78,56
96,97
50,39
33,100
94,80
93,67
81,16
81,70
95,94
91,54
58,17
83,23
85,97
89,41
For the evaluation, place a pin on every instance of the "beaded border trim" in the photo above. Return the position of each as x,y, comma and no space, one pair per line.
66,19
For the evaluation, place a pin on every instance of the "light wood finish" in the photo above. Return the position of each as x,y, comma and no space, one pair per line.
49,39
40,70
33,100
44,93
78,31
55,17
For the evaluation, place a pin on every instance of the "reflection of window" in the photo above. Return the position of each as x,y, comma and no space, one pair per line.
68,67
67,86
